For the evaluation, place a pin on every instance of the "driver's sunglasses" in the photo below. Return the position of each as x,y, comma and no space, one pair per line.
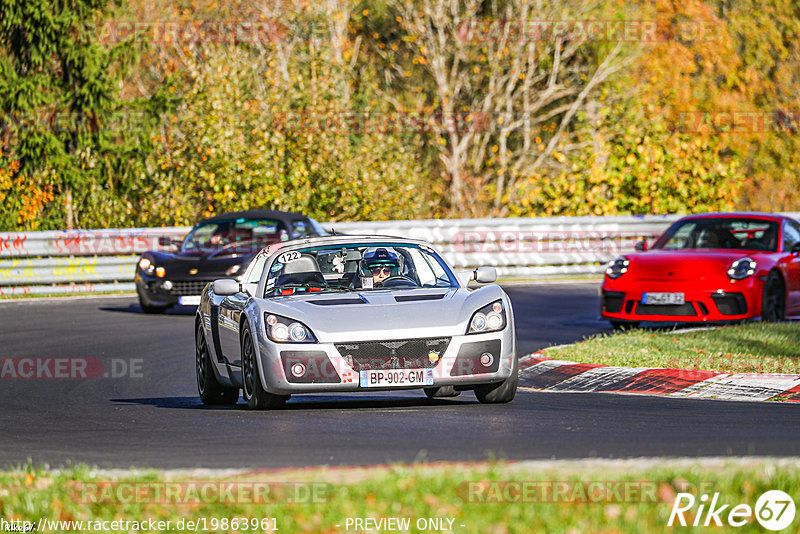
377,270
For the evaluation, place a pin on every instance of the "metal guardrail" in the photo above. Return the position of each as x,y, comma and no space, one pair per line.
91,261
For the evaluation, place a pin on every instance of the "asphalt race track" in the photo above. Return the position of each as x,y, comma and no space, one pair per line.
147,413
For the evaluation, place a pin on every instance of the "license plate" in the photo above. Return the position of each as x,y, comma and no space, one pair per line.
663,298
193,300
395,377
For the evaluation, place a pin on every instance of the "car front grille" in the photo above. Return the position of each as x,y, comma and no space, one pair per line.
187,288
400,354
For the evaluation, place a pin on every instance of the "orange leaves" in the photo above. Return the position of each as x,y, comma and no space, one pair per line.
23,197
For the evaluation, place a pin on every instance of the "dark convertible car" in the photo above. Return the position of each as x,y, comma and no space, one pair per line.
218,247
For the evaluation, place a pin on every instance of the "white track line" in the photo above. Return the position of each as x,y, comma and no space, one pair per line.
598,378
740,386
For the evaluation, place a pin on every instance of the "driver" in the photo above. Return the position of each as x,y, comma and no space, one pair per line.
381,264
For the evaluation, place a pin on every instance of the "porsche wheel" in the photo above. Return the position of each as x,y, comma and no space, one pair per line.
773,301
255,395
501,392
211,391
441,391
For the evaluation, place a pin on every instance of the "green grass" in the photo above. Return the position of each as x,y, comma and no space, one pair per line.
424,491
745,348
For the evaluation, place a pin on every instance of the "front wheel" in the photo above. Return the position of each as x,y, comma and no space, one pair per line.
254,393
501,392
773,301
211,391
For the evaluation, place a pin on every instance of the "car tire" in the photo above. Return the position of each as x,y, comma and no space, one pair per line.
773,300
441,391
211,391
500,392
254,393
624,325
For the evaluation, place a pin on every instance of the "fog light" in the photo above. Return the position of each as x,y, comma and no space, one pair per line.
167,285
298,369
160,272
486,359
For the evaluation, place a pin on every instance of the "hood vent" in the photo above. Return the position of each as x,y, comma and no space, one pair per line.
412,298
336,302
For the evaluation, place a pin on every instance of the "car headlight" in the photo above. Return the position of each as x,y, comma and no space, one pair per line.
742,268
490,318
233,270
146,266
284,330
617,267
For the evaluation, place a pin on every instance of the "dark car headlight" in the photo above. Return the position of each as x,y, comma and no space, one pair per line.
490,318
284,330
742,268
617,267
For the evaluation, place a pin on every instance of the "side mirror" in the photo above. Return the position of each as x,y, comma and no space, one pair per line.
641,246
795,248
485,275
225,287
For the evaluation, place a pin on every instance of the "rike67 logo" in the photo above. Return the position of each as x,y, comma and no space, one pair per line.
774,510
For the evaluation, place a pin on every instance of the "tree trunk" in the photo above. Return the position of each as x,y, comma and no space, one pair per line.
69,209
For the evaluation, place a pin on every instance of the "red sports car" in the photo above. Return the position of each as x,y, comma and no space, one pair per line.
710,267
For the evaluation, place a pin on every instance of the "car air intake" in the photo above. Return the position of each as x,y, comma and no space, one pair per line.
477,358
612,301
412,298
308,367
730,303
400,354
336,302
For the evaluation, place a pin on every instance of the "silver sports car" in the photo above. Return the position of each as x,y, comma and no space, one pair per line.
354,314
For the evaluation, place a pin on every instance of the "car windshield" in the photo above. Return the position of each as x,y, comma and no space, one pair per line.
357,267
234,236
721,233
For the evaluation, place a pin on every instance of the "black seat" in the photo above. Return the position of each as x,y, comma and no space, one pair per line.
754,243
718,238
303,270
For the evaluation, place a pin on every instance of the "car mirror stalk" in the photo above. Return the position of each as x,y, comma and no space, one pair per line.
485,275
